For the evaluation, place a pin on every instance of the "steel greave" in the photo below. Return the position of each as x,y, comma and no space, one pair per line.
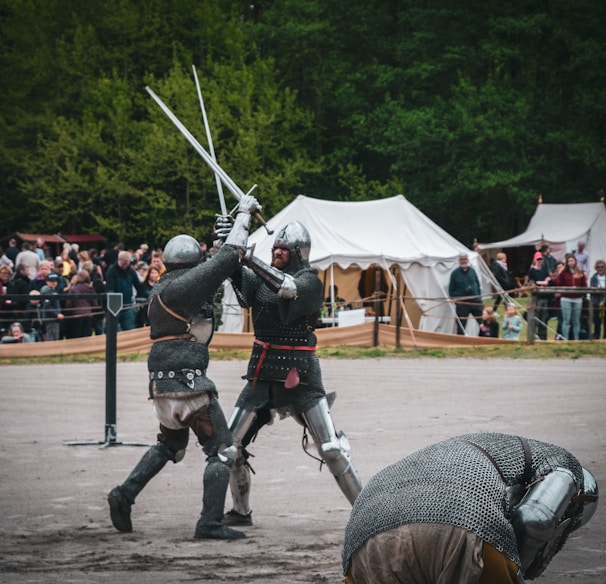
333,448
239,424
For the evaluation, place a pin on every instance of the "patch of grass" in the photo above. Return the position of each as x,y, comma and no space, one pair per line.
521,350
544,350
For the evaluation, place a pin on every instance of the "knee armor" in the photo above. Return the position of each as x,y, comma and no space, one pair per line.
174,441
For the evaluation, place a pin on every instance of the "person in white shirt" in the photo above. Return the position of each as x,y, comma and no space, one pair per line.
582,258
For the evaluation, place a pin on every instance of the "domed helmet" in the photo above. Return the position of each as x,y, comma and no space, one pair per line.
182,251
295,238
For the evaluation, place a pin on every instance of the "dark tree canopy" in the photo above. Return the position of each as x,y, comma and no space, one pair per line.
471,109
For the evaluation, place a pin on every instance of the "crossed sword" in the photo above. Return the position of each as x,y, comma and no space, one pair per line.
221,176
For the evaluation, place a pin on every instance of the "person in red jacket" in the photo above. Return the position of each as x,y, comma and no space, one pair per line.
571,302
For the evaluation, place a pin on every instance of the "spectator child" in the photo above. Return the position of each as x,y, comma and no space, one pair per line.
512,323
489,326
16,334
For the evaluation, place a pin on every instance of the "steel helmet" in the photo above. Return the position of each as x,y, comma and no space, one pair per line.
295,238
182,251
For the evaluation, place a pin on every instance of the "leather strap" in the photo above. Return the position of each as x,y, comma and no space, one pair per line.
489,457
170,311
527,460
171,337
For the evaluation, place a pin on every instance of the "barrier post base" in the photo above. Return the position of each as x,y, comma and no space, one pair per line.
110,440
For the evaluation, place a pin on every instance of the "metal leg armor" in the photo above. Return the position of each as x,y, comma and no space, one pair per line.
333,448
122,497
240,423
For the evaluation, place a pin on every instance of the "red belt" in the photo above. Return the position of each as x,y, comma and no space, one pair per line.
267,346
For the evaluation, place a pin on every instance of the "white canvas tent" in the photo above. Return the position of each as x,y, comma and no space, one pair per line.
392,234
563,226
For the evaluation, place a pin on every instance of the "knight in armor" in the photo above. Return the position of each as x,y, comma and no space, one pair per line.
478,508
284,374
181,320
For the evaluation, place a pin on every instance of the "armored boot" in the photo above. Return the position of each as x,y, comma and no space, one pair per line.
122,497
239,484
334,449
210,525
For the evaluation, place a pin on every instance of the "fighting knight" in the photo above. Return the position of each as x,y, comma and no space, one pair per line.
181,317
284,374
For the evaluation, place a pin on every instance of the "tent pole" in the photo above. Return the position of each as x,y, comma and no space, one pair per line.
407,316
399,316
375,334
332,293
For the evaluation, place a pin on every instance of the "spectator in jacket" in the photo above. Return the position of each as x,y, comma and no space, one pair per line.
489,326
28,258
33,319
5,261
465,288
81,309
122,278
19,284
51,308
152,275
44,270
571,302
598,280
97,282
12,251
512,323
16,334
501,273
5,305
538,274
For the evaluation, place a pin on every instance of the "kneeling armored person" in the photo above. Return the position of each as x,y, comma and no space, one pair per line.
480,508
284,371
181,319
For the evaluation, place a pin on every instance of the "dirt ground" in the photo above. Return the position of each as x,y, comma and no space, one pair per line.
54,520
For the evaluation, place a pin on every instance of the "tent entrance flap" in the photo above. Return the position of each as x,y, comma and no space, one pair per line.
358,288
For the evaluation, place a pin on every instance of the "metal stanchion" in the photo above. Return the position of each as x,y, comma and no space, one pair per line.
112,309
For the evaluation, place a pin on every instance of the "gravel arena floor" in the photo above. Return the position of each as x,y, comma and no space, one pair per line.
54,520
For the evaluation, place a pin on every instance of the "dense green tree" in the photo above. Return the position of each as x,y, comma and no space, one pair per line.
470,109
107,159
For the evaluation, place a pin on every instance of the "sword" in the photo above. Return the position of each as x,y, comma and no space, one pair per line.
211,148
225,178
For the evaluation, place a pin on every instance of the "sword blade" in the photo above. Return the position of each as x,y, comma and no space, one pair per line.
211,148
225,178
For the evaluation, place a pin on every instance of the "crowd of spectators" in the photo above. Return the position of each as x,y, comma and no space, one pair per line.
64,281
31,270
570,307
